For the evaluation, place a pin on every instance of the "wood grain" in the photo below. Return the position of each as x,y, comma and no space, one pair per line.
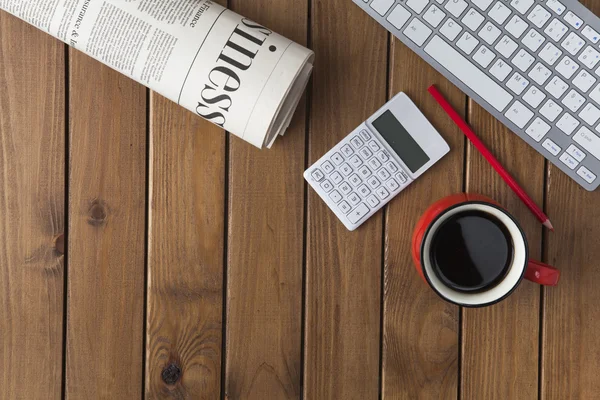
343,271
571,344
420,331
32,211
185,261
500,343
107,185
265,254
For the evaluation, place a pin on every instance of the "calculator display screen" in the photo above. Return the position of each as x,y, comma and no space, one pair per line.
400,141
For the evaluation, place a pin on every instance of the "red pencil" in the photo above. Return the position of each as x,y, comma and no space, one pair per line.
490,158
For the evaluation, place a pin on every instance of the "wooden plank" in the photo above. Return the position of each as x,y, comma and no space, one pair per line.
500,343
343,271
107,185
32,211
420,331
571,317
265,254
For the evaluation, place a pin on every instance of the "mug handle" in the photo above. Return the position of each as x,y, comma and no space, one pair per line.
542,273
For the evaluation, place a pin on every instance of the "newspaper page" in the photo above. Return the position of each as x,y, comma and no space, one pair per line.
226,68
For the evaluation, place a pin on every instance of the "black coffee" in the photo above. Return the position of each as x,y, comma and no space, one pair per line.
471,251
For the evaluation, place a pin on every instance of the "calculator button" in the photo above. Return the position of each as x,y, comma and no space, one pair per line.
335,196
392,167
336,177
345,188
355,180
344,207
347,150
354,199
392,185
373,182
317,175
586,174
364,171
374,163
356,142
383,174
365,153
374,146
327,186
373,200
383,156
355,161
364,191
401,177
358,213
337,158
346,169
568,161
382,193
576,153
327,167
365,135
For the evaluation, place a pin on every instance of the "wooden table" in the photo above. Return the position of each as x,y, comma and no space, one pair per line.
145,253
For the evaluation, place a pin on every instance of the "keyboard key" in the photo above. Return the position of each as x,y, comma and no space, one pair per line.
365,153
499,13
516,26
473,19
523,60
590,57
588,141
557,87
550,53
326,186
354,199
392,185
576,153
484,56
399,16
355,161
417,5
556,6
344,207
590,114
534,97
538,129
456,7
552,147
355,180
382,6
418,32
567,124
337,158
373,182
365,135
519,114
356,142
382,193
539,16
506,46
358,213
450,29
467,43
551,110
468,73
364,172
573,43
568,161
574,101
482,4
591,34
556,30
489,33
373,201
595,94
533,40
345,188
586,174
374,163
573,20
317,175
335,196
383,174
540,74
364,191
567,67
347,150
434,16
374,146
336,178
501,70
584,81
522,6
517,83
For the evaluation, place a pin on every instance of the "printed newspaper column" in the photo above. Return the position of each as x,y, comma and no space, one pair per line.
227,69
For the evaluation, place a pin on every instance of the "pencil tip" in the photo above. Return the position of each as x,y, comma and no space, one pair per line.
548,225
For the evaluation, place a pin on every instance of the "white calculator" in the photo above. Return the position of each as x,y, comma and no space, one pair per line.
375,162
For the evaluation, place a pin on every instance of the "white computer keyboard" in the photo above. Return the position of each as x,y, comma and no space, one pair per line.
376,161
533,64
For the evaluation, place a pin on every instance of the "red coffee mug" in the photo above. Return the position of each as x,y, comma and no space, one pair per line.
520,267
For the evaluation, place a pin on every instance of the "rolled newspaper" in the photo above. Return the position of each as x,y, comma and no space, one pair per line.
226,68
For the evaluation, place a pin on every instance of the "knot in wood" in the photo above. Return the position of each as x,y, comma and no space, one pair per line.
59,244
171,374
97,213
